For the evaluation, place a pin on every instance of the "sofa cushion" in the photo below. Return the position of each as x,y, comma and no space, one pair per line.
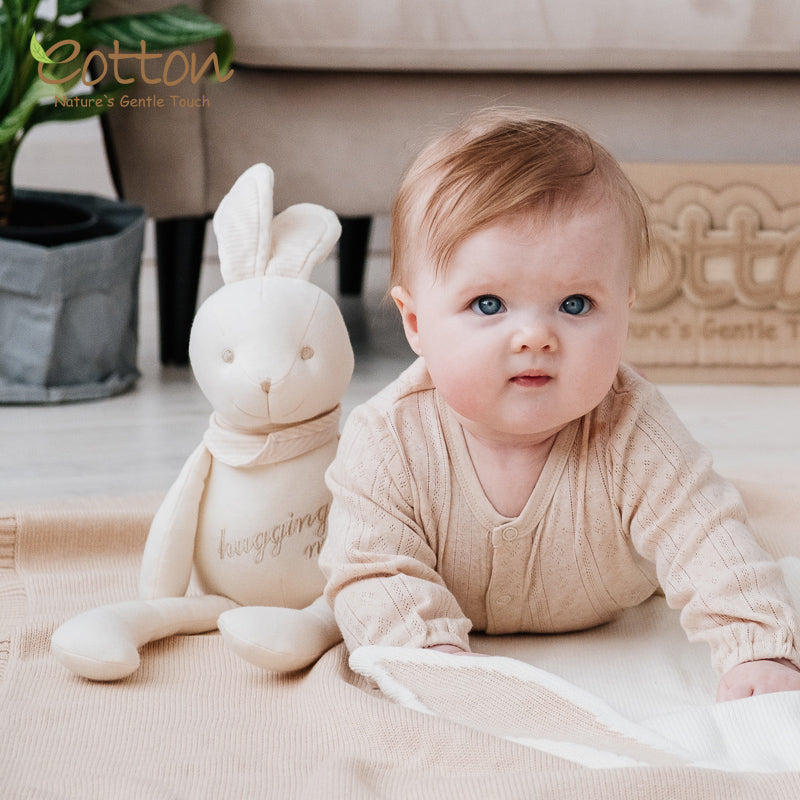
514,35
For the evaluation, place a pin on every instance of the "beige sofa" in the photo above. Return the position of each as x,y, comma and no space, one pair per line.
337,95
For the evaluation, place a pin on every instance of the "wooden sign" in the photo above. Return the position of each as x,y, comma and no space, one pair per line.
720,299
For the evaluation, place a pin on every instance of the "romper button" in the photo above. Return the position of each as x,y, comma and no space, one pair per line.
509,534
504,599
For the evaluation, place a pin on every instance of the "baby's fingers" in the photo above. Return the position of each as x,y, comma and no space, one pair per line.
733,690
758,677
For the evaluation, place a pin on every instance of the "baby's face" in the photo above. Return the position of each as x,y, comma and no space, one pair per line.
524,332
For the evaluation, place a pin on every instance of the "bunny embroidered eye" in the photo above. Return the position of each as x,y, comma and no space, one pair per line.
227,355
306,353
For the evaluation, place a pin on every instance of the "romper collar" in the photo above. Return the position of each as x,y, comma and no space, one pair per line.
464,471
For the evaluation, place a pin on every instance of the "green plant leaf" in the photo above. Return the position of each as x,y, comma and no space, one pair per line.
14,8
161,30
69,7
6,60
224,47
16,120
37,51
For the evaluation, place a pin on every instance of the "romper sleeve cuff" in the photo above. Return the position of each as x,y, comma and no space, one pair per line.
447,631
752,647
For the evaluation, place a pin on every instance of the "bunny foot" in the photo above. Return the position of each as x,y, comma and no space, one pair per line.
96,645
102,644
280,639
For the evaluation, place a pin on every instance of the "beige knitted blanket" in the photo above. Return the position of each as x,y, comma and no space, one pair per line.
623,711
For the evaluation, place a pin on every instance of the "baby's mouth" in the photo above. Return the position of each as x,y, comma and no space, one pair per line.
531,379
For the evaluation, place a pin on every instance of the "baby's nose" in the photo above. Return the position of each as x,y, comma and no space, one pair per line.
535,334
265,385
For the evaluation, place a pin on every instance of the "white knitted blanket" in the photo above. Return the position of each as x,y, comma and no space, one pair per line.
634,693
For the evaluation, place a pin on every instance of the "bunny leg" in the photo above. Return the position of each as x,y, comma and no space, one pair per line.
102,644
280,639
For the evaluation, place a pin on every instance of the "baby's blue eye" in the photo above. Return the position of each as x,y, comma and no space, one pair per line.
576,305
487,305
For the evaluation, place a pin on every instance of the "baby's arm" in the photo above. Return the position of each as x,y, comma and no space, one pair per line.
693,526
379,557
758,677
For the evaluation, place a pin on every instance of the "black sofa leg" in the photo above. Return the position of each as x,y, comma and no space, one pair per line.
179,257
353,247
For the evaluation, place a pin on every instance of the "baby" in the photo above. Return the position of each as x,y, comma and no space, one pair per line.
517,477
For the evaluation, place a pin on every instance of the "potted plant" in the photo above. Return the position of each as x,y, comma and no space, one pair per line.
69,264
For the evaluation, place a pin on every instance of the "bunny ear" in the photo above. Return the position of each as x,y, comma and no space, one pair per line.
242,225
302,236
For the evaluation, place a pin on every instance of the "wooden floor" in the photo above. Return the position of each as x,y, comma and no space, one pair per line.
137,442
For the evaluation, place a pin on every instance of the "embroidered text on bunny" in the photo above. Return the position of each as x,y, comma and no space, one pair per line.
258,545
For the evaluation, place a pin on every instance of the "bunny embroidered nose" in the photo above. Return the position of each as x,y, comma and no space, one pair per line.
265,385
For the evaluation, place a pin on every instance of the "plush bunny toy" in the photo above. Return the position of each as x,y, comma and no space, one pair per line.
248,511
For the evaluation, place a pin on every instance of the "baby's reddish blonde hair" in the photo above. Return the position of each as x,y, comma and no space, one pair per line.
503,163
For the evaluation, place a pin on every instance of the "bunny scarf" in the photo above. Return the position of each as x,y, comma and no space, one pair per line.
238,448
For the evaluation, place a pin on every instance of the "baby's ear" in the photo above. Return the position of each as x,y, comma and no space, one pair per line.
408,313
242,225
302,236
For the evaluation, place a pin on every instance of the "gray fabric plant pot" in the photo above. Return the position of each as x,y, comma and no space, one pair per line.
69,313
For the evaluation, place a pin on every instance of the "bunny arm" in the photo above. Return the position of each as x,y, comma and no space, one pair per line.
169,550
102,644
280,639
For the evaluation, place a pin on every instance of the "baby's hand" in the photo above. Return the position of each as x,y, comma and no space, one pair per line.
758,677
